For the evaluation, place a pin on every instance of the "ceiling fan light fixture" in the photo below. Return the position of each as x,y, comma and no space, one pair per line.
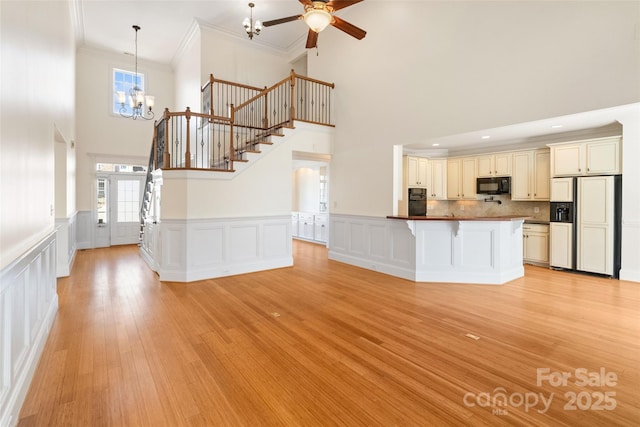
317,19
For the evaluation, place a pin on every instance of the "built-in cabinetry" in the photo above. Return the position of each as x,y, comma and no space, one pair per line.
309,226
417,171
490,165
461,178
530,180
560,245
535,243
437,179
599,156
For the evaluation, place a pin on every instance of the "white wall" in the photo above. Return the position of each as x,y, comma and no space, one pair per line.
38,71
441,68
187,79
228,58
101,132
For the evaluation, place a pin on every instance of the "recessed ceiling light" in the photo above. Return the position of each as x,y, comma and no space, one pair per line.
485,136
556,126
435,145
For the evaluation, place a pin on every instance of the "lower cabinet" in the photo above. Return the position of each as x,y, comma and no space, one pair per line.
560,246
308,226
535,244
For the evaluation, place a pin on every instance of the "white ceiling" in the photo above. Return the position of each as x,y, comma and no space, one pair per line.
107,24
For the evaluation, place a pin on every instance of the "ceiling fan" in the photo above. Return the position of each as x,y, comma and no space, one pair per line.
318,14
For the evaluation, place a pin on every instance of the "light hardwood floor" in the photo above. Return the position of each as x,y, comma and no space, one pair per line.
324,343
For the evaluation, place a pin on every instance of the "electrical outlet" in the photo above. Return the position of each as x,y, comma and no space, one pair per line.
536,209
461,207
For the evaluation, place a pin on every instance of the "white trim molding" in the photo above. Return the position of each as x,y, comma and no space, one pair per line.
187,250
28,305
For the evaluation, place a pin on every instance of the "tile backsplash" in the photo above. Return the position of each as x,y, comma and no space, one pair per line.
481,208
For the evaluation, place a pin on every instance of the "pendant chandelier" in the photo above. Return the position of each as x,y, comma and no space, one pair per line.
250,26
141,104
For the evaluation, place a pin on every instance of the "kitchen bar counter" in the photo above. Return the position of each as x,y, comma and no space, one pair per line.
477,250
462,218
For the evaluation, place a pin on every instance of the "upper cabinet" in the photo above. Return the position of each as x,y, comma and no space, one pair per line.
530,179
417,172
461,178
591,157
491,165
437,179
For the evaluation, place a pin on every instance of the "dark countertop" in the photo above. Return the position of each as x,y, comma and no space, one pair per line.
461,218
536,221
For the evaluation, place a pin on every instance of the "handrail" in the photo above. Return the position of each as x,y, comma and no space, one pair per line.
224,131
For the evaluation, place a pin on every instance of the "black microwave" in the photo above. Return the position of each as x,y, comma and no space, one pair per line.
493,185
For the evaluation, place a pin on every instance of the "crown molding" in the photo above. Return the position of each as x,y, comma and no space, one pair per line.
77,20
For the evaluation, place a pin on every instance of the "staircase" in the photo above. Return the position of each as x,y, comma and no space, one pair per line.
238,124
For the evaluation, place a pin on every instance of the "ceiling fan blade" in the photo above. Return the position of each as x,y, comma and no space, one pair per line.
312,39
341,4
281,20
348,28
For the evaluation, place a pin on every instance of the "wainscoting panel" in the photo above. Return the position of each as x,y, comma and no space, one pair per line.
85,230
199,249
373,243
66,238
28,304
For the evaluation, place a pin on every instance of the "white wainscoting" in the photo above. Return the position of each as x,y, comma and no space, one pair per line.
484,252
85,226
190,250
28,304
66,237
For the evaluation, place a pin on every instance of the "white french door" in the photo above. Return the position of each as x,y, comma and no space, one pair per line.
125,193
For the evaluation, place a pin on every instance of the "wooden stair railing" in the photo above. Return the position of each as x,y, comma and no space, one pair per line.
213,140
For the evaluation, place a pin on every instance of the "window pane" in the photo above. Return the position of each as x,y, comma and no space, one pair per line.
124,81
128,200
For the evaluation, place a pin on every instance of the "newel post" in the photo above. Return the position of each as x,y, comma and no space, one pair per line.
293,98
265,120
166,160
187,154
154,147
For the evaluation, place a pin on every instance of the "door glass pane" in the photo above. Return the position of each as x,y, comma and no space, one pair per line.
102,200
128,200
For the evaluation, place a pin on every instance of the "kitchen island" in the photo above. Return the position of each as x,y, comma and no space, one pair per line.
480,250
474,250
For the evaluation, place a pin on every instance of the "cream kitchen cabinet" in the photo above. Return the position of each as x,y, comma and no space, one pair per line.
461,178
417,171
599,156
320,228
560,245
531,178
491,165
535,243
437,179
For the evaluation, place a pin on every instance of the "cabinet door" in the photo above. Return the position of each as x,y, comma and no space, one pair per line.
560,245
542,177
595,224
486,166
568,160
502,163
438,179
561,190
537,247
422,172
412,171
522,171
453,179
468,178
603,158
